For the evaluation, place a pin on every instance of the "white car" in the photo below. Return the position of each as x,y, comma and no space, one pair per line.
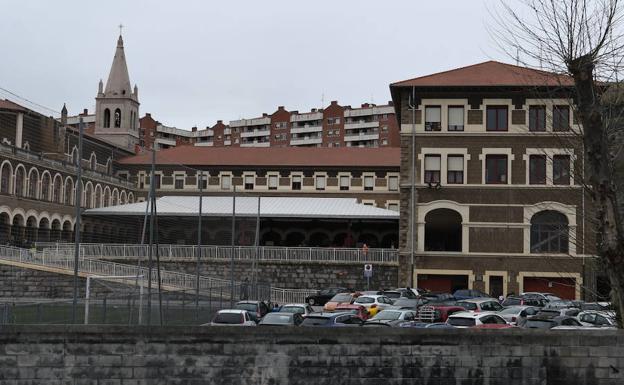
393,317
468,319
597,318
378,302
480,304
300,308
516,315
545,296
232,317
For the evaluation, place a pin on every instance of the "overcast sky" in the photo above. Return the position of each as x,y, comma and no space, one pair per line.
198,61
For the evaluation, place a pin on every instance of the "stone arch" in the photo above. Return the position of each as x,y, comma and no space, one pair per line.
271,238
109,166
443,230
46,186
130,197
107,195
68,191
20,180
115,197
93,161
319,239
117,118
6,177
57,189
107,118
43,234
390,241
17,229
97,199
370,239
33,183
5,225
295,238
67,233
123,198
55,230
549,232
75,157
88,195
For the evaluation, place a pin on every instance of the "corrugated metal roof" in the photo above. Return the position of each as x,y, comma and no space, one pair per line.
270,207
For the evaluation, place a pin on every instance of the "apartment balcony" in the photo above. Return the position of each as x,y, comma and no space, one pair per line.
227,131
306,117
305,141
358,125
203,133
377,110
256,144
205,144
255,133
227,142
361,136
306,129
165,141
250,122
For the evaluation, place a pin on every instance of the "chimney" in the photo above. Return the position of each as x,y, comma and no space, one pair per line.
264,115
194,129
85,112
334,102
280,108
148,115
295,112
313,110
219,121
365,105
390,103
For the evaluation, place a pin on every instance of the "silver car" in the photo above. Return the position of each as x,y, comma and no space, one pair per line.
297,308
517,315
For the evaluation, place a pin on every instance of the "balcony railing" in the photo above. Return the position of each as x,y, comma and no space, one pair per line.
306,129
356,125
253,133
299,141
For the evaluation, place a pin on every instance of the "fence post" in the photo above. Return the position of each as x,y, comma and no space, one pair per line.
170,251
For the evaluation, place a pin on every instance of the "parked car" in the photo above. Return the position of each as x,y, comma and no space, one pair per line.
281,319
563,304
480,304
340,298
373,303
256,309
438,297
393,317
400,293
426,325
524,301
517,315
546,322
568,312
598,306
300,308
332,320
468,319
597,318
232,317
408,304
468,294
437,312
358,310
545,296
322,296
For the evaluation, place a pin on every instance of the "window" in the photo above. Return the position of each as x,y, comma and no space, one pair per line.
549,232
280,125
320,182
226,182
331,121
455,167
537,118
384,128
296,182
496,169
393,206
157,181
561,118
106,122
272,182
393,183
433,118
537,169
249,182
344,183
117,118
202,181
561,169
456,118
179,182
369,183
496,118
432,169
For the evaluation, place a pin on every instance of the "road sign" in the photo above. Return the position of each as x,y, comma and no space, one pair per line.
368,270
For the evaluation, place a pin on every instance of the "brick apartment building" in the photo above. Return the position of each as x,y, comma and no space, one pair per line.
498,205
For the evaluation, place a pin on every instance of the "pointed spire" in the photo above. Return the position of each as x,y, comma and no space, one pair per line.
100,87
64,115
118,83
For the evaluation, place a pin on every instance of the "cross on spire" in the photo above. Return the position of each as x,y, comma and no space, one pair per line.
120,28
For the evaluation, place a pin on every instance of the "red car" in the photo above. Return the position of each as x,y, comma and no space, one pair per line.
437,313
359,310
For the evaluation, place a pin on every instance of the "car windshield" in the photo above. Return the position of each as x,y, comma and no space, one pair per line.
228,318
406,302
392,294
387,315
292,309
551,297
461,321
341,298
246,306
316,321
549,313
511,301
511,310
461,293
540,324
277,318
467,305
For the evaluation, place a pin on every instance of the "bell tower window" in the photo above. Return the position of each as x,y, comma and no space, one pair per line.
117,118
106,118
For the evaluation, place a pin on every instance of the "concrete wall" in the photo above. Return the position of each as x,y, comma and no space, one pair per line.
202,355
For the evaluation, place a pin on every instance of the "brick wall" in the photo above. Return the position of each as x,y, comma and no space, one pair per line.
53,354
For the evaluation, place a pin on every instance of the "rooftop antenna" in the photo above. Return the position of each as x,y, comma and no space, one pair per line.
120,28
517,56
322,100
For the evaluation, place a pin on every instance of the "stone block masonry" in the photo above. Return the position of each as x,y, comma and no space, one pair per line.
54,354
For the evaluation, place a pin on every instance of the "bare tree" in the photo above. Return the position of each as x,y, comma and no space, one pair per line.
582,39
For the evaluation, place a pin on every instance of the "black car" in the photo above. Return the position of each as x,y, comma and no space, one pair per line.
399,293
322,296
523,301
256,309
438,297
281,319
546,322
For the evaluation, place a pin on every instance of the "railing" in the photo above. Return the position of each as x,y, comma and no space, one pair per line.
62,258
241,253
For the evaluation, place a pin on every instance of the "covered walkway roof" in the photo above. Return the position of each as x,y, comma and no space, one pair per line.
270,207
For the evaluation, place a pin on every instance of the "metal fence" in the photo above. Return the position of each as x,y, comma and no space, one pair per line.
62,258
241,253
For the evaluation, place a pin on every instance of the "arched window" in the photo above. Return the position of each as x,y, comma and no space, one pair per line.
57,188
20,179
69,191
74,156
45,187
549,232
98,196
443,230
115,197
93,161
6,171
33,183
106,122
109,166
106,202
117,118
88,203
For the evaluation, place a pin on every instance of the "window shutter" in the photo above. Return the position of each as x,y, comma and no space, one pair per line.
432,162
456,163
456,116
432,114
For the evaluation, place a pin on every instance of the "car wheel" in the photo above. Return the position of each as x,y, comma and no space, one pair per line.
311,301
